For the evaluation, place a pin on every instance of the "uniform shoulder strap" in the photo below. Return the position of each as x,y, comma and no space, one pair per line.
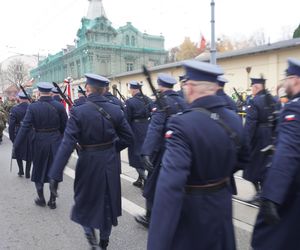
101,110
216,117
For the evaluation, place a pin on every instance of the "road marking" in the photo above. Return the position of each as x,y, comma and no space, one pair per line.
133,209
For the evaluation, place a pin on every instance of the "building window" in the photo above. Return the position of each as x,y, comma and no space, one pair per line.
129,66
127,40
133,41
101,26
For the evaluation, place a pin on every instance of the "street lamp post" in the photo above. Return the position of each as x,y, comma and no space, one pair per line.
213,58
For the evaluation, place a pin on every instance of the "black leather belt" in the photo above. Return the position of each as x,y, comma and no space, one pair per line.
45,130
92,147
208,188
141,120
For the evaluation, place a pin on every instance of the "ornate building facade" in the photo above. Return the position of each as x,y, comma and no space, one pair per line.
102,49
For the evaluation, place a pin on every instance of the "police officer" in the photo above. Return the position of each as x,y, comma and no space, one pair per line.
138,113
113,99
277,226
101,130
24,153
230,104
48,119
81,97
258,132
193,206
55,95
153,147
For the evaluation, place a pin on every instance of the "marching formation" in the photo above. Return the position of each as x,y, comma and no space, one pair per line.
186,147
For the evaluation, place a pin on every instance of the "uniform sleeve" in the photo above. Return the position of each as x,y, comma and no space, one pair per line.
63,120
285,164
155,133
24,129
170,189
66,148
12,125
251,121
124,133
128,114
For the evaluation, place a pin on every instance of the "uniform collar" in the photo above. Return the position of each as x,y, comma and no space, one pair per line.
260,92
220,92
170,92
108,94
296,96
97,98
208,102
46,98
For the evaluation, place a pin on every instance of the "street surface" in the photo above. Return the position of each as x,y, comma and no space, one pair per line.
26,226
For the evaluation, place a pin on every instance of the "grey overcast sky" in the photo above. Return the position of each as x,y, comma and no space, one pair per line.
46,26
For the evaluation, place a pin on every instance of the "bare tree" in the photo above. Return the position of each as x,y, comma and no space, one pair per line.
17,72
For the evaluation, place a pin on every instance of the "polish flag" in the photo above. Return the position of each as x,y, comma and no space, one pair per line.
68,94
289,118
202,44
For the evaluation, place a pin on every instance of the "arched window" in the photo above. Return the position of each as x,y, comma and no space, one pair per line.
127,40
132,41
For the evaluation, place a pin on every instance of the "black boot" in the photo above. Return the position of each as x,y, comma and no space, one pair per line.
21,168
52,202
103,244
144,219
92,240
138,182
40,200
27,170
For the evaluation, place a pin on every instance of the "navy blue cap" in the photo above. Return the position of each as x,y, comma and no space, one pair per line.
21,95
258,81
81,90
96,80
201,71
135,85
166,80
44,86
293,68
54,90
182,78
221,81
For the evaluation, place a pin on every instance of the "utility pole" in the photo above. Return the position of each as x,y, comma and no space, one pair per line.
213,56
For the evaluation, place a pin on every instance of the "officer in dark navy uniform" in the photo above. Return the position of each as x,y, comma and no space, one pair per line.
101,130
277,226
81,97
258,132
47,118
24,153
114,99
138,113
193,201
230,104
55,94
153,147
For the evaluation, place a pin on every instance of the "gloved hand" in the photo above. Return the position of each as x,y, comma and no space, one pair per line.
53,187
269,210
147,163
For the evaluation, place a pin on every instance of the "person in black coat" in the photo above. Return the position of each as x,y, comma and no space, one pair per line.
24,153
48,119
138,113
154,144
193,200
101,131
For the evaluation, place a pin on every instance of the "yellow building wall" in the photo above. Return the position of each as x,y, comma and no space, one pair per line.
271,64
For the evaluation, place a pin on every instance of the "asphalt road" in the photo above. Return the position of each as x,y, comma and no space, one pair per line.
26,226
